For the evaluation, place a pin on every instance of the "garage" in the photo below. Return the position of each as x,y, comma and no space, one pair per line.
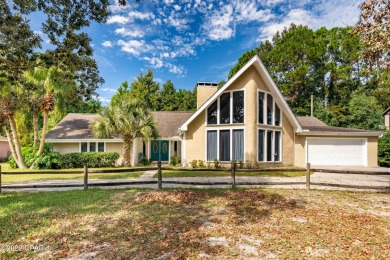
337,151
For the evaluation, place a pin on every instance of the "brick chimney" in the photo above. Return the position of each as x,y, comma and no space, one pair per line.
204,90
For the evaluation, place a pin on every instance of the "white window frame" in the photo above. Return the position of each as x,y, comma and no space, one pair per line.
231,141
231,109
264,124
96,143
265,149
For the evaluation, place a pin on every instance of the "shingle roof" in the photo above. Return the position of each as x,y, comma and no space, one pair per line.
313,124
74,126
3,139
386,111
78,126
168,122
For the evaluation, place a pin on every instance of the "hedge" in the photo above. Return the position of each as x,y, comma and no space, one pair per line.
92,159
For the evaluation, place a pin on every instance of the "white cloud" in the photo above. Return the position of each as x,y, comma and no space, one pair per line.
154,62
168,2
141,16
111,90
177,7
246,11
104,100
107,44
132,33
218,25
134,47
118,19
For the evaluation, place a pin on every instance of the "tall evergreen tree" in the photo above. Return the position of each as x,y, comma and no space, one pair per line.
168,97
147,90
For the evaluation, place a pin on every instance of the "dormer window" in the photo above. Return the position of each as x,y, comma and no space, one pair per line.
227,109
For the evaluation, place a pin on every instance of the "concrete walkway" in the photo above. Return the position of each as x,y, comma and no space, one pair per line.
319,180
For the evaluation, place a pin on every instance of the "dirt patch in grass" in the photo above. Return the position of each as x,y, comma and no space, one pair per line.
215,223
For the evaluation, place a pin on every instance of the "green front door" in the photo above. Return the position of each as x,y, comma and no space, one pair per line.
159,148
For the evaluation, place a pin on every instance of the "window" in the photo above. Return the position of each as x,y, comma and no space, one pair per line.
261,108
227,109
100,147
224,109
238,107
269,109
261,145
269,146
92,147
212,112
268,112
238,145
224,145
211,145
84,147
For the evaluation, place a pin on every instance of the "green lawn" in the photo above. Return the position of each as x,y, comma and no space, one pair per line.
191,224
12,178
169,173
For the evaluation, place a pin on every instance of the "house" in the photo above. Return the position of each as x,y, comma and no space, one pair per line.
386,115
247,119
4,148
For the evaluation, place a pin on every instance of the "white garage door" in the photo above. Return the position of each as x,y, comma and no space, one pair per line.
334,151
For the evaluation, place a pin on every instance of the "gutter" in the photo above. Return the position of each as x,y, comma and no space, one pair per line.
341,133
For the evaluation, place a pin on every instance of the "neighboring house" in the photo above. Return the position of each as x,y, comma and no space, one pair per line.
4,148
386,115
247,119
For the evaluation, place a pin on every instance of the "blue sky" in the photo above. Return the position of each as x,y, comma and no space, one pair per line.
188,41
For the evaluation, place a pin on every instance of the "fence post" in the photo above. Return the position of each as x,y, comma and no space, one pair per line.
233,171
159,175
85,177
308,176
0,179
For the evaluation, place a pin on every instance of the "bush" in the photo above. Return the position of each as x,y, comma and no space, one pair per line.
241,164
216,164
145,161
51,160
174,160
384,150
248,164
92,159
200,164
194,164
29,154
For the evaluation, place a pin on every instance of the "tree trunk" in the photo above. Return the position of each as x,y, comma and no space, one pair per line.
18,150
44,129
11,144
127,150
35,122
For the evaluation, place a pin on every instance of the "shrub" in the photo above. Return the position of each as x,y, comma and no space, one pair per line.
194,164
241,164
200,164
216,164
92,159
248,164
145,161
174,160
29,154
51,160
384,150
208,165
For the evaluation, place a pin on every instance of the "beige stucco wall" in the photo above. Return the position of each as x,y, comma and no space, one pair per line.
300,149
115,147
387,121
203,93
66,147
250,82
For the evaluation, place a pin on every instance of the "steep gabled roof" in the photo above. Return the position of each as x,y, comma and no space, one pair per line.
168,122
258,64
386,111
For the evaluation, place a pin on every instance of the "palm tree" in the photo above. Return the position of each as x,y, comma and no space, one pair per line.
128,118
51,83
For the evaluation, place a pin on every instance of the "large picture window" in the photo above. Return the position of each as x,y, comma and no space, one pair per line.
229,108
269,146
211,145
224,109
268,112
92,147
225,145
238,107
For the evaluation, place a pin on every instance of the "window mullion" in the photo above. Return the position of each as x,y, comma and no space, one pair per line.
231,107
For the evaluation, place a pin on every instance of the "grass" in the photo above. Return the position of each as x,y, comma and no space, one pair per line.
13,178
215,223
178,173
